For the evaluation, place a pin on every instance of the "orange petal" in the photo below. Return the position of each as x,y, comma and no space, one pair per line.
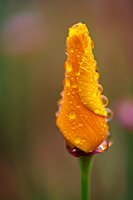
82,115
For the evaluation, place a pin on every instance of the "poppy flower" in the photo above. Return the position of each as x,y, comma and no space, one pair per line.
82,115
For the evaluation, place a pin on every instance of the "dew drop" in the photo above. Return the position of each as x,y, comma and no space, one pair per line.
68,67
71,50
62,94
108,134
78,73
80,125
74,85
83,140
59,102
71,115
105,100
77,140
100,88
56,114
96,111
96,76
110,143
67,82
109,114
90,57
94,95
78,106
103,146
92,44
73,127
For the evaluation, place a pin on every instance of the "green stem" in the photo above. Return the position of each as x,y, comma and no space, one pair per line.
85,168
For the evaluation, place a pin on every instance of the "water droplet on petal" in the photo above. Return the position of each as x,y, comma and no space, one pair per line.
78,106
96,111
108,134
62,94
72,115
96,76
78,73
77,140
100,88
92,44
94,95
102,147
109,114
73,127
83,140
71,50
105,100
68,67
59,102
110,143
67,82
74,85
80,125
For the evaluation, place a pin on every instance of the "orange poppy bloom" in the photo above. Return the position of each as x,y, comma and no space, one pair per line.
82,116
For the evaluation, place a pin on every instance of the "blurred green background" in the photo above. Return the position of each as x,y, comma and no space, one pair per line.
34,164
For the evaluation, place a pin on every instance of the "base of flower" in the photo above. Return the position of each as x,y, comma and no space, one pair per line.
74,151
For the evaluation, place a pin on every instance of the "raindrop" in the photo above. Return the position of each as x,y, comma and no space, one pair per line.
67,82
91,102
56,114
78,73
96,111
90,57
59,102
74,85
109,134
92,44
94,95
80,125
100,88
110,143
77,140
73,127
71,51
68,67
96,76
105,100
66,53
71,115
62,94
102,147
83,140
109,114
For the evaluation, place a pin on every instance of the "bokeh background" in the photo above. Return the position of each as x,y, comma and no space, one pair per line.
34,164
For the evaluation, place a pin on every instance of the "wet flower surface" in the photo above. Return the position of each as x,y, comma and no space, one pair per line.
82,116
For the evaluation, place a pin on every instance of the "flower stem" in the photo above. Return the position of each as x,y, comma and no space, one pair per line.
85,169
